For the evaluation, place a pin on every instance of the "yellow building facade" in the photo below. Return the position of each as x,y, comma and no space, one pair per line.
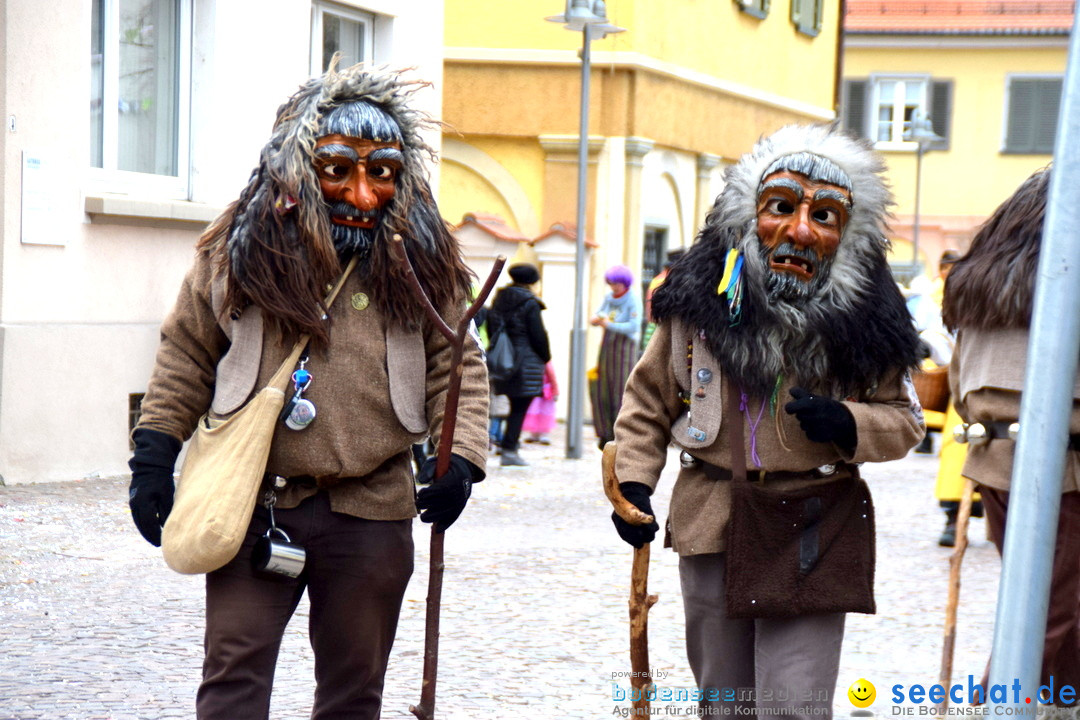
683,92
989,83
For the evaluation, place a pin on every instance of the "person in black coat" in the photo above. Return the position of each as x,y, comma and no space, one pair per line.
516,311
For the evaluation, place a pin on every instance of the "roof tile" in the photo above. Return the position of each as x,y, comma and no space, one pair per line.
493,224
960,17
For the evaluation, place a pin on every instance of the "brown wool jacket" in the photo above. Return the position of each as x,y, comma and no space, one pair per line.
376,391
986,378
888,421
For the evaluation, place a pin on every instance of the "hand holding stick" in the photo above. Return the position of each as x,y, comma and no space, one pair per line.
426,709
640,599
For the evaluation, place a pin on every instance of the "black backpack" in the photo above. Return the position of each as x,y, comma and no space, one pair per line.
501,358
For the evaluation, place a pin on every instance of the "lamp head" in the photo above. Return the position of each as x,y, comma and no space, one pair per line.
922,131
581,14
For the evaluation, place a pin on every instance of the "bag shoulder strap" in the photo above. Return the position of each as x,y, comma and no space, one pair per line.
735,434
280,380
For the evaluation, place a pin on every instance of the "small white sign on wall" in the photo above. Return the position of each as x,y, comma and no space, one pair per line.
40,195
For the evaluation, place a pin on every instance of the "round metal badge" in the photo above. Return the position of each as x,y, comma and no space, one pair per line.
302,415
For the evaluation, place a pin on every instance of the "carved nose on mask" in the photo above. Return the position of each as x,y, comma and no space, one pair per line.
798,231
361,195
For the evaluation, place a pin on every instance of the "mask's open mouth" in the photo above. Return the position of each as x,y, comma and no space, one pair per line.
359,219
793,264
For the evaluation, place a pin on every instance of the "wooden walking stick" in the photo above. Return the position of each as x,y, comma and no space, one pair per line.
955,560
640,599
426,709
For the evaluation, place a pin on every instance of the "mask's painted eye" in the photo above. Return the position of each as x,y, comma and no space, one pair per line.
779,206
382,172
333,171
826,216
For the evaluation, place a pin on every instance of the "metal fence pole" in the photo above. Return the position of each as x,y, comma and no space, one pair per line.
1035,497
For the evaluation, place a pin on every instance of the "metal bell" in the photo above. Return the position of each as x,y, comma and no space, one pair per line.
977,434
959,433
687,460
1014,431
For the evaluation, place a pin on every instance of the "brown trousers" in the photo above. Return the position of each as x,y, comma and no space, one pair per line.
355,576
1061,645
782,666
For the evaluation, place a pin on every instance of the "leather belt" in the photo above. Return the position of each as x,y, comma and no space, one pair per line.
715,472
1000,430
278,482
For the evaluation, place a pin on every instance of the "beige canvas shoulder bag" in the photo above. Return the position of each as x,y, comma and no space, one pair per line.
222,472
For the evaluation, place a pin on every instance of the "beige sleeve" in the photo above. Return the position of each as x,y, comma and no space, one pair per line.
651,404
471,425
955,371
182,383
888,423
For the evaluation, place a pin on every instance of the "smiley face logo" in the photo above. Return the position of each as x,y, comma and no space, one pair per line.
862,693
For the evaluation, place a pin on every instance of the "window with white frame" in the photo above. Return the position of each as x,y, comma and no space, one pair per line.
883,107
336,28
139,53
897,102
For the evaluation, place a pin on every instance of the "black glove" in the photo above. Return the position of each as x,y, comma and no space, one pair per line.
442,501
151,491
636,535
823,419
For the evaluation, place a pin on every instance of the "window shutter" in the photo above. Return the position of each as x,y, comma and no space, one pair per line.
940,111
755,8
1032,115
1047,107
806,16
1019,135
854,106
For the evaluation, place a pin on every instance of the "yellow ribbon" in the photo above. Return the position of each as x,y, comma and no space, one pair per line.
729,267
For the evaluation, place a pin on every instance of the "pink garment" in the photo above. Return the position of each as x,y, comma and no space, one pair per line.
540,418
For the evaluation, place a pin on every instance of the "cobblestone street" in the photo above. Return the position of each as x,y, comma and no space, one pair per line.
534,604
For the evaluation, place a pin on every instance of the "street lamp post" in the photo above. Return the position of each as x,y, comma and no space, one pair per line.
590,18
922,132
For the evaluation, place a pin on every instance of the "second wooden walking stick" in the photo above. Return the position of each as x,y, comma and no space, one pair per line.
426,709
640,599
957,558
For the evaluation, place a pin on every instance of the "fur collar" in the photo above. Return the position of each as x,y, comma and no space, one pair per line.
842,342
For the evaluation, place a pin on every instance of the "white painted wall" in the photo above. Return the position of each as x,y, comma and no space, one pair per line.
668,191
79,321
556,256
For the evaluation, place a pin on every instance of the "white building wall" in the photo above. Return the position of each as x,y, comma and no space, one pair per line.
668,194
79,320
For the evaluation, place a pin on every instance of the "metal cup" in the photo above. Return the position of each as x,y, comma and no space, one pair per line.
278,557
